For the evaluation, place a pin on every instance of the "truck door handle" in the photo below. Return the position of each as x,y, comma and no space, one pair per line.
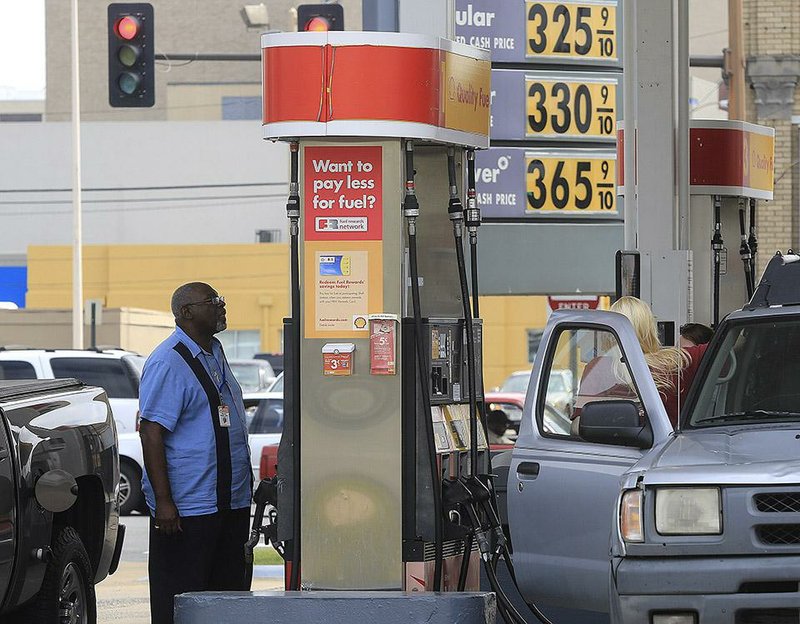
528,470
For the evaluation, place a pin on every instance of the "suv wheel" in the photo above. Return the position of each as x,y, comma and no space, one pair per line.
67,594
131,497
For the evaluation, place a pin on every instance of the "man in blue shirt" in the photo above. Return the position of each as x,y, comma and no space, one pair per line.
198,480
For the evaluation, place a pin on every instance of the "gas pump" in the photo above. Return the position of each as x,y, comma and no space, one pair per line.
731,169
382,339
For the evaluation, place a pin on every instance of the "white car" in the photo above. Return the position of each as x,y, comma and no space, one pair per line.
116,371
560,387
264,420
264,415
252,375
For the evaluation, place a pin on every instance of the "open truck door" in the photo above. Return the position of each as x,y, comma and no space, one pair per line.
564,485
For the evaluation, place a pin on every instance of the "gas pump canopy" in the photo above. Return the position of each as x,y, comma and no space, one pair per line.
371,84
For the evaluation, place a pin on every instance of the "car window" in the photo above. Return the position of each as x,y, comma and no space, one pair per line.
556,383
512,411
278,385
595,370
108,373
516,383
136,363
752,377
268,417
247,375
15,369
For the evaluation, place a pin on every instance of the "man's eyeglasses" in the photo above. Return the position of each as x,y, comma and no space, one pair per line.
216,300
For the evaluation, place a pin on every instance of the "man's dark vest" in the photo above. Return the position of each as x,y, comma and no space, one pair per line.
220,433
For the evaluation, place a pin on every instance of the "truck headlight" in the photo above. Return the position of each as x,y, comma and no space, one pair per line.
688,511
630,516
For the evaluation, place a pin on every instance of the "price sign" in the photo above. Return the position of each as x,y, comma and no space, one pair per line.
567,108
563,32
578,182
571,30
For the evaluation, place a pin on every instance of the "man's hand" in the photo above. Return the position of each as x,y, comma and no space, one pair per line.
167,520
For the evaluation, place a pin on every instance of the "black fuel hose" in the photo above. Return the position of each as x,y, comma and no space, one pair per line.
455,210
752,242
717,246
411,212
744,252
293,212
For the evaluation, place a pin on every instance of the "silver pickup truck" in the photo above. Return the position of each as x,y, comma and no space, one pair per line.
636,523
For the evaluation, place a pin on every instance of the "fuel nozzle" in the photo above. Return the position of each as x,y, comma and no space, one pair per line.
293,201
472,214
455,209
410,202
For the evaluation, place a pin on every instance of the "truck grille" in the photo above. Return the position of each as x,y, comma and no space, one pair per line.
768,616
780,502
780,534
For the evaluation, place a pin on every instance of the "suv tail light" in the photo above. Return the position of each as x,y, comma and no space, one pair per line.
138,419
268,467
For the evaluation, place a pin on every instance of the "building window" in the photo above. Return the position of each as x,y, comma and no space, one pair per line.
240,343
241,107
534,340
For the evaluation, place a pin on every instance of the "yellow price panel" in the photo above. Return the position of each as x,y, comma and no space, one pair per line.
572,108
572,30
576,183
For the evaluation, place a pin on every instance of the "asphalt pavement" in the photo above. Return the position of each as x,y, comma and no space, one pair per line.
124,596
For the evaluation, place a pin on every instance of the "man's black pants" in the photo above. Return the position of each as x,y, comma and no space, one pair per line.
207,555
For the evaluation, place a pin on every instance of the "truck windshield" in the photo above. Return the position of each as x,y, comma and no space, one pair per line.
753,377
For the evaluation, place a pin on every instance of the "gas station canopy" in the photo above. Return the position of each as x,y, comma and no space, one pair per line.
359,84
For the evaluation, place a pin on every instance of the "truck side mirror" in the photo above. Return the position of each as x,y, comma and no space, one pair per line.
616,422
56,490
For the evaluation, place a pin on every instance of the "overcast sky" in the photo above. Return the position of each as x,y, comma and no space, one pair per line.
22,73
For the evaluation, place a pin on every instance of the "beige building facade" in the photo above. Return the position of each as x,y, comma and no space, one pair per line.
772,47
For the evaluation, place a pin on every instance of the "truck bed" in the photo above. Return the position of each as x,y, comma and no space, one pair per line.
11,389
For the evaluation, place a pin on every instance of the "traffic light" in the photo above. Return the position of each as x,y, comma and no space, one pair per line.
131,55
320,17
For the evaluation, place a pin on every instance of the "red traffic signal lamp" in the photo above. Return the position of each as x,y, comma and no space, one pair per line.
320,17
131,55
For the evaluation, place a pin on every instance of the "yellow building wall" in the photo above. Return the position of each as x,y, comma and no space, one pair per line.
506,321
253,278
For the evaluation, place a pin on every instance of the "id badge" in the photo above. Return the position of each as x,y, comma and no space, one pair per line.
224,416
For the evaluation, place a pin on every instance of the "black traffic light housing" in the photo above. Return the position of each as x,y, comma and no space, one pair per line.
131,55
320,17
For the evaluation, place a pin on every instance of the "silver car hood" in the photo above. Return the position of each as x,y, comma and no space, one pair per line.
753,454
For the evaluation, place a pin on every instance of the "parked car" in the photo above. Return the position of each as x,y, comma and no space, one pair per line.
512,403
59,517
252,375
115,370
275,360
701,525
264,421
118,372
560,391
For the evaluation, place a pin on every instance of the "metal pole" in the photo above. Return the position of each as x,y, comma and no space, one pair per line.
736,96
77,256
629,114
682,150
